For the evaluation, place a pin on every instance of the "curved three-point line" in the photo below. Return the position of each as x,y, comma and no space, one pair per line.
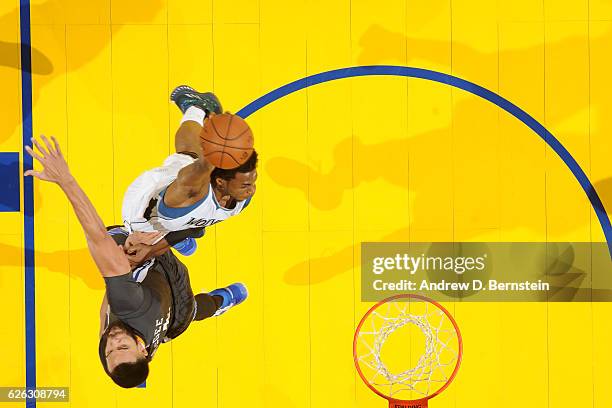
394,70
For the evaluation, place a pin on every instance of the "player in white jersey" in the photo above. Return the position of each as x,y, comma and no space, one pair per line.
187,191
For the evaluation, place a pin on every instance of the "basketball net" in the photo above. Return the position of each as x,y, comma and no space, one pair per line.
433,369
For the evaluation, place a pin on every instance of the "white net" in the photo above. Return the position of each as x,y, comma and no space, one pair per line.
420,361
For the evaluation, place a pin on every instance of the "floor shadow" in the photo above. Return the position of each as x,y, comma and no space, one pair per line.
76,264
10,57
604,190
438,52
324,268
336,183
317,270
45,66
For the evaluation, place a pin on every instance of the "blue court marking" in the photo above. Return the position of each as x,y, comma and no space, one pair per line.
395,70
9,174
28,198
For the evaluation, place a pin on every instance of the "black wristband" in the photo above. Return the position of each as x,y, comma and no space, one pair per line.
175,237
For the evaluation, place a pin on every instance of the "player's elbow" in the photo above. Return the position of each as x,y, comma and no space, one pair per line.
204,165
97,235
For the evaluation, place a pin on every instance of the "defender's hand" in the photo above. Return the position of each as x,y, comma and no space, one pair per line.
138,253
147,238
55,168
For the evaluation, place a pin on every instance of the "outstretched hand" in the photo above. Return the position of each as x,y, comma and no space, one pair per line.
55,169
138,253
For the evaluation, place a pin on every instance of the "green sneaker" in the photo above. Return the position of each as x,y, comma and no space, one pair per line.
184,96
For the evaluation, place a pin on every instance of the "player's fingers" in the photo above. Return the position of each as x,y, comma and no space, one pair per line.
39,147
151,237
39,175
146,238
57,147
33,153
48,144
133,257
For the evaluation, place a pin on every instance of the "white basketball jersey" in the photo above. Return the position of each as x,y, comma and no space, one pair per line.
144,210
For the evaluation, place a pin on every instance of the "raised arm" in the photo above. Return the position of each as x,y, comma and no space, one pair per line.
193,180
109,257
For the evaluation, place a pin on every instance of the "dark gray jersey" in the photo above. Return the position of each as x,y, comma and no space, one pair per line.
147,307
154,299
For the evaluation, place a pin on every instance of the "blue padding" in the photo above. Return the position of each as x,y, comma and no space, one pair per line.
9,177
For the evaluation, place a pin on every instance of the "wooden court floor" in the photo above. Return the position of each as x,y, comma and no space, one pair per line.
361,159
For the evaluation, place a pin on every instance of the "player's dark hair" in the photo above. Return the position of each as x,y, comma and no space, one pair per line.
128,375
228,174
132,374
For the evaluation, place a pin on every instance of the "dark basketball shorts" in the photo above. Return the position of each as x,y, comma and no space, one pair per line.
182,294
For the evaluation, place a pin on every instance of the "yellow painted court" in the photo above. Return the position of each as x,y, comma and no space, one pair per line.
373,158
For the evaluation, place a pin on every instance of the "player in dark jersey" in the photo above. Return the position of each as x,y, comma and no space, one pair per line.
145,304
151,305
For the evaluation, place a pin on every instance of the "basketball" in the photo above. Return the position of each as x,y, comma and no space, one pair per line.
227,140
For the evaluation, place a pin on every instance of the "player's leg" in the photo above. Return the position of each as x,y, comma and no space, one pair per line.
206,305
187,136
219,300
195,107
193,179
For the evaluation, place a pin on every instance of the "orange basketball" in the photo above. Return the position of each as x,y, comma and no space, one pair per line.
227,140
